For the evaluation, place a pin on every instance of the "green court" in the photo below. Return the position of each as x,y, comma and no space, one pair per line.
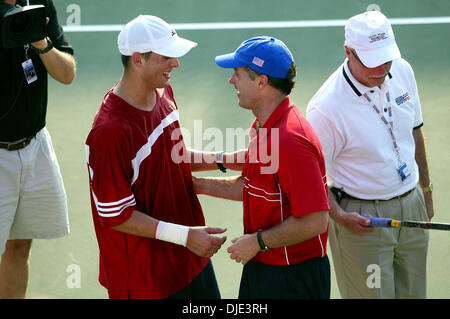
68,267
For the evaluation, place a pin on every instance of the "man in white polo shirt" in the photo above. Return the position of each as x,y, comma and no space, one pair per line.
368,118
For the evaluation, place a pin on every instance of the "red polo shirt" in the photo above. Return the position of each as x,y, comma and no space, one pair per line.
284,175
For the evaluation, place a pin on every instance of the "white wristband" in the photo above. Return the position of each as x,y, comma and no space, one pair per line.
173,233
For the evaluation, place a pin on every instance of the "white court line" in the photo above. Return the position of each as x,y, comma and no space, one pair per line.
256,25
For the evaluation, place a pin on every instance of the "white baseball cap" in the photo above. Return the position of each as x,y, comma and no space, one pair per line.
148,33
371,35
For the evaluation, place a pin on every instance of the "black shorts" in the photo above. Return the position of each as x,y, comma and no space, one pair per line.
204,286
307,280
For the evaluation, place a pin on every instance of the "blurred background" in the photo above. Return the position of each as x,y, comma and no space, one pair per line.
68,267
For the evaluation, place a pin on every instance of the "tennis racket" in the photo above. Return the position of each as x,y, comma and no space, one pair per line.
388,222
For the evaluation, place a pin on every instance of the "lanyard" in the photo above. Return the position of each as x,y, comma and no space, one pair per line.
389,124
27,46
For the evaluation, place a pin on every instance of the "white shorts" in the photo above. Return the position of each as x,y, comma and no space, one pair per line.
33,200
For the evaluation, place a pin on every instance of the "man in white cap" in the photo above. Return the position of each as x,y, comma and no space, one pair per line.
368,118
150,227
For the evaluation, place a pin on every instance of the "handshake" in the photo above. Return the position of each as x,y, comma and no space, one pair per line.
205,241
201,241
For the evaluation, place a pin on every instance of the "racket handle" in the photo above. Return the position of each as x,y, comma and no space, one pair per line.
379,222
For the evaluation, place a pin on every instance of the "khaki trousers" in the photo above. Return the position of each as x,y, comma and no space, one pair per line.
387,263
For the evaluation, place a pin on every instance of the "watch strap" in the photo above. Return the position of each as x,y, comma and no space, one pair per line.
48,48
261,243
221,167
219,162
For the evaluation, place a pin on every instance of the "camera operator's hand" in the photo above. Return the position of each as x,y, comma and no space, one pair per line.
41,44
60,65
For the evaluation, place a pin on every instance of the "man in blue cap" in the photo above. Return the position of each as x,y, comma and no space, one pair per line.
283,184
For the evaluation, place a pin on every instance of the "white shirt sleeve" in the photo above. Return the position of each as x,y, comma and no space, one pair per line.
331,139
418,120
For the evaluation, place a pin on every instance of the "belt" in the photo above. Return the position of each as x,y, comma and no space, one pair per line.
345,195
16,145
340,194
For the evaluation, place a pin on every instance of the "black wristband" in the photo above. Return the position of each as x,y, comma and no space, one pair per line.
221,167
261,243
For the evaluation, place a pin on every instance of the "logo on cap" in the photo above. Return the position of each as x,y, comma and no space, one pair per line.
257,61
377,37
173,32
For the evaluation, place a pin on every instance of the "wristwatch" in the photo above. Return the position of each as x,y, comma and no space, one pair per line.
428,188
261,243
219,161
48,48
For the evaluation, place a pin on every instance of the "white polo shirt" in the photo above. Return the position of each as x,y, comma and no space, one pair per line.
358,148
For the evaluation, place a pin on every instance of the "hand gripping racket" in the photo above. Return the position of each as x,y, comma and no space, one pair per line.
388,222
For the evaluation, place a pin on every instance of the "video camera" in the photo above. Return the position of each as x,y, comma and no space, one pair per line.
20,26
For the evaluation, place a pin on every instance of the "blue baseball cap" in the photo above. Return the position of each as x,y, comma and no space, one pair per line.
264,55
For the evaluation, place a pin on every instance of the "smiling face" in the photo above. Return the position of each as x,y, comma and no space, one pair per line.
245,87
156,70
370,77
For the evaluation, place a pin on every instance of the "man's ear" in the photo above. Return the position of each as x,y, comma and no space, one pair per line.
347,51
137,59
263,80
